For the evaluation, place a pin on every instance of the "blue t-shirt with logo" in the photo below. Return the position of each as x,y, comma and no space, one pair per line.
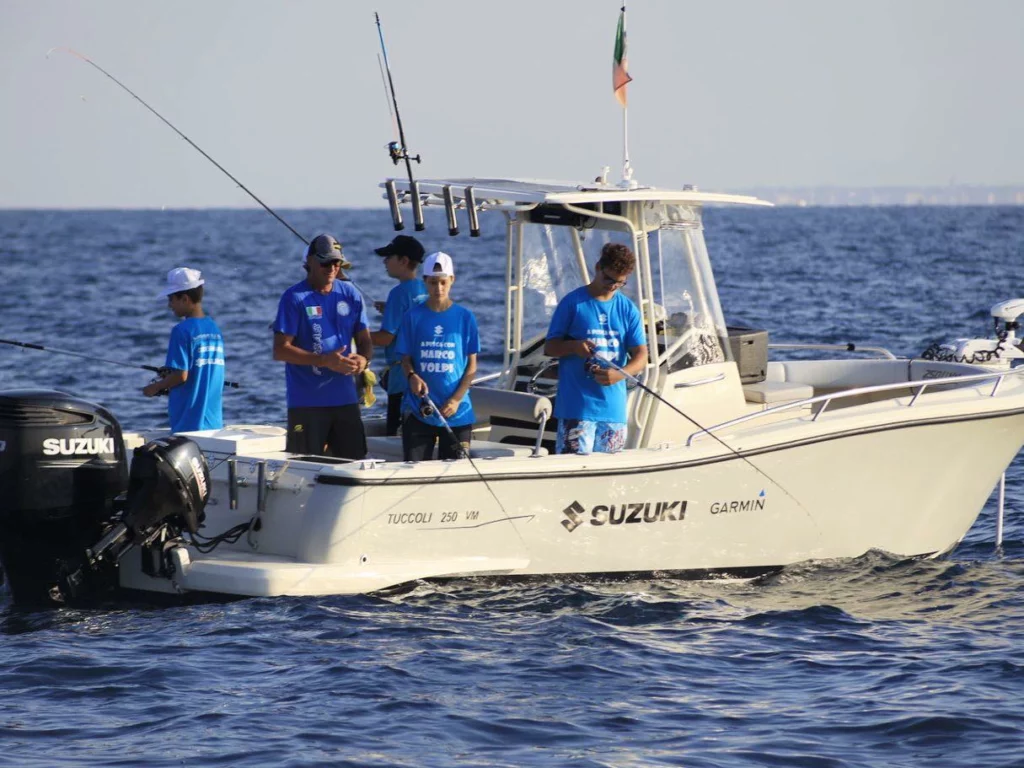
439,344
320,323
614,327
401,299
196,346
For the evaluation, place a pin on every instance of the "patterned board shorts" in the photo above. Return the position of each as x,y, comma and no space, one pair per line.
580,436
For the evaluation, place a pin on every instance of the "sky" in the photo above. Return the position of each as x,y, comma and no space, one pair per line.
288,96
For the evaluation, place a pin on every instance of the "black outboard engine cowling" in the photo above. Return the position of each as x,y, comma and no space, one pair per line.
168,489
62,465
170,480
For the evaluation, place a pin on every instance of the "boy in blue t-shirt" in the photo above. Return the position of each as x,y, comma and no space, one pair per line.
195,358
438,342
596,321
402,257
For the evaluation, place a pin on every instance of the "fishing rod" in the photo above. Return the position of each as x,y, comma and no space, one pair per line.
153,368
195,146
398,150
615,366
430,409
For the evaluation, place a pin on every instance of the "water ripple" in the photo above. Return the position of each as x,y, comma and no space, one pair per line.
878,661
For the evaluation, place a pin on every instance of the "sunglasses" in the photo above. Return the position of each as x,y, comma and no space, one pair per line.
611,282
330,265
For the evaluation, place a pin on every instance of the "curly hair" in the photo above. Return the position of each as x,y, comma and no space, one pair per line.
618,258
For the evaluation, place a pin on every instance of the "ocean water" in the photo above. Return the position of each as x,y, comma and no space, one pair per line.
869,662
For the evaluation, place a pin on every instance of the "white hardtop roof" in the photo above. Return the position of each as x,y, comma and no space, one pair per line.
541,191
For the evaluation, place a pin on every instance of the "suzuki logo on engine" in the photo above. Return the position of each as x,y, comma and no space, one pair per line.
78,446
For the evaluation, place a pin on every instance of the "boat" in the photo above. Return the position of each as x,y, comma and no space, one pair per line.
739,460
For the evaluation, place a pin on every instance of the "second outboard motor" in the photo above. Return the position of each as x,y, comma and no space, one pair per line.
62,466
168,488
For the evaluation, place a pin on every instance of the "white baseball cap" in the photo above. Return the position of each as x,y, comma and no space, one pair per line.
438,264
182,279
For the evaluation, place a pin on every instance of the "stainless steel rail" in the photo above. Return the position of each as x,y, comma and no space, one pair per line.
826,400
880,351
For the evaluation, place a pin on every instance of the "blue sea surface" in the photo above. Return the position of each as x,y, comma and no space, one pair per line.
870,662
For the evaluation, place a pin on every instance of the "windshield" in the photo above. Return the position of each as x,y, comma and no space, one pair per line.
556,260
689,320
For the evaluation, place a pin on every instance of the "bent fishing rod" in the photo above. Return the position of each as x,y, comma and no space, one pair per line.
153,368
195,146
615,366
399,150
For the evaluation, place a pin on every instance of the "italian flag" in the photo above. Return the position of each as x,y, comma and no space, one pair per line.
619,74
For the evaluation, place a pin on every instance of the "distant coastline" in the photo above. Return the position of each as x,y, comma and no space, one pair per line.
953,194
796,197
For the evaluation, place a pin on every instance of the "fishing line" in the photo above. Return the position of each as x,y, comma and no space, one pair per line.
195,146
612,364
153,368
465,452
387,98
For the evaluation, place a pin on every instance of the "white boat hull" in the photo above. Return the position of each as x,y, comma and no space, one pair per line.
907,481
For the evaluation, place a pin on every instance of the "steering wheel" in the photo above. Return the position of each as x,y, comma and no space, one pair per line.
535,387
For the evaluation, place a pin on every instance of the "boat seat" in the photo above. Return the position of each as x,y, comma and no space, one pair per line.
772,392
390,449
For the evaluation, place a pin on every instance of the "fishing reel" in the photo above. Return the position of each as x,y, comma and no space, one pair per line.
426,408
161,373
399,153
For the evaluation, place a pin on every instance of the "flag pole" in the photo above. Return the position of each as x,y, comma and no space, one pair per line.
627,171
620,79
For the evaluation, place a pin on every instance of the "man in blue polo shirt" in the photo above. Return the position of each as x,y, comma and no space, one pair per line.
317,321
596,321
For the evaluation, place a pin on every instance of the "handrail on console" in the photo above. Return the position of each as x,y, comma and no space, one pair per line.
920,386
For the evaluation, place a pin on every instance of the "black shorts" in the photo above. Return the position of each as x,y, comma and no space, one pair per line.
328,431
418,440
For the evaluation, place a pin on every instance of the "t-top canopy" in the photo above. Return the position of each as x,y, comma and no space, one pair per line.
538,191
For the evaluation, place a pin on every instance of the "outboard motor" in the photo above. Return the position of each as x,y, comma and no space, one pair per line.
167,491
1005,351
62,465
70,506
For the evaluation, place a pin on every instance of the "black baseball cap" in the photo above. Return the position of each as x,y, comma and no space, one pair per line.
325,249
403,245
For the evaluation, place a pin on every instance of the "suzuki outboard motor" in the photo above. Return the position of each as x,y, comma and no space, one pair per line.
62,465
167,491
69,508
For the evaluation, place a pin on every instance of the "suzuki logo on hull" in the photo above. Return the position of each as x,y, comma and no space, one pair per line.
624,514
78,446
574,512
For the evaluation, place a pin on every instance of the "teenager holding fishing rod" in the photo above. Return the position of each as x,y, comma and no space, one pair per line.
596,322
438,343
194,378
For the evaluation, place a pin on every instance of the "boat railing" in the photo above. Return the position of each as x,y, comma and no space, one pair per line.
850,347
488,377
918,387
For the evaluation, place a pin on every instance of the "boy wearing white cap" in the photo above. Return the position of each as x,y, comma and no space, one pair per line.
438,342
195,358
